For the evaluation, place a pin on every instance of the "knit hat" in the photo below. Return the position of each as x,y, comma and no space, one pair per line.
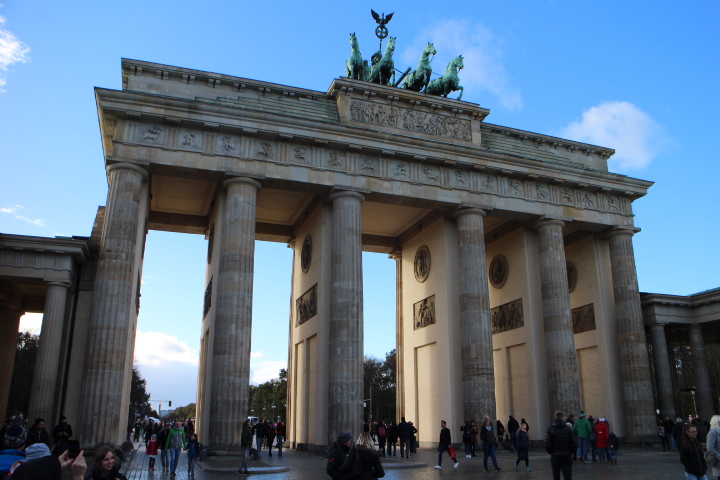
582,414
14,437
344,437
37,450
602,419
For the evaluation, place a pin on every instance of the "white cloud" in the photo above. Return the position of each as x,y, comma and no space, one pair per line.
482,54
31,322
157,349
622,126
13,210
12,51
257,354
261,372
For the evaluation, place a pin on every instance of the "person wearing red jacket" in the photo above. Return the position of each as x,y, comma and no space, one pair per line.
603,435
152,451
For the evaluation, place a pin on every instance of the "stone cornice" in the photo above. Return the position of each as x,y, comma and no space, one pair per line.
75,247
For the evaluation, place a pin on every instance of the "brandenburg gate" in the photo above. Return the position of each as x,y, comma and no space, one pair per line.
516,284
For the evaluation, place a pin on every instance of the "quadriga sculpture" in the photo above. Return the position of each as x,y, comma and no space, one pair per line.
450,82
354,65
419,78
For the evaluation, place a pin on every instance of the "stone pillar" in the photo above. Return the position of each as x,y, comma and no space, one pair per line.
44,383
399,344
9,326
560,354
346,317
703,391
476,347
113,307
662,371
634,361
233,315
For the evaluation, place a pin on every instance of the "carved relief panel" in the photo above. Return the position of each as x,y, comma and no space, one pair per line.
424,313
583,318
507,317
306,305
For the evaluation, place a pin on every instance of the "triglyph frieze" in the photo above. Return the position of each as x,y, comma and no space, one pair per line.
410,120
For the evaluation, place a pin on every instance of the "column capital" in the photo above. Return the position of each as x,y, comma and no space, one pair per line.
546,222
469,211
242,181
127,166
346,193
616,231
396,254
58,284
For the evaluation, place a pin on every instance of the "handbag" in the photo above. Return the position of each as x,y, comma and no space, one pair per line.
710,457
453,455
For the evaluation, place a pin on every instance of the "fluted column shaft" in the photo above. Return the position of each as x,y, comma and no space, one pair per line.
346,316
703,391
399,343
633,354
663,373
9,325
560,354
476,347
112,307
44,382
233,314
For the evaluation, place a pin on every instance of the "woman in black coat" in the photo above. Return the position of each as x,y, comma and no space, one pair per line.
364,458
691,453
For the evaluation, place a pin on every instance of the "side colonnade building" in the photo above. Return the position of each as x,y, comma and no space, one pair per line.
517,290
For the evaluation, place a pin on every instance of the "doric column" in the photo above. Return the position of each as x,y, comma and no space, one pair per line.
703,391
663,373
233,314
399,359
346,313
45,378
560,354
632,347
113,306
476,347
9,325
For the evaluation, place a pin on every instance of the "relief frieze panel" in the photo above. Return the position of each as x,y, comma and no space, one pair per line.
306,306
507,317
583,318
410,120
424,313
227,145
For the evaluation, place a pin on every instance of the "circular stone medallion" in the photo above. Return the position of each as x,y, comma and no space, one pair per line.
422,264
498,271
306,254
571,276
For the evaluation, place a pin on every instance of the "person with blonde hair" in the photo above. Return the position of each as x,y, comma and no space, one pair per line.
367,459
713,444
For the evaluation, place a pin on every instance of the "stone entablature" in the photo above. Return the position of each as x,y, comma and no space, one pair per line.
47,259
698,308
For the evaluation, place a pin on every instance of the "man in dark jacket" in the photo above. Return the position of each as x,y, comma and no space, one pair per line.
445,443
336,456
403,430
392,438
260,431
560,443
513,427
38,434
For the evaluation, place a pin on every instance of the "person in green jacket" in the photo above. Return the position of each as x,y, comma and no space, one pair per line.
583,430
175,443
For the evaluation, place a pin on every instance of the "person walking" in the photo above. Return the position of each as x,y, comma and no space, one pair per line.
246,440
152,450
583,430
512,427
466,428
174,444
663,435
691,454
560,443
445,445
522,440
392,438
193,452
473,438
269,437
489,442
713,444
337,466
381,436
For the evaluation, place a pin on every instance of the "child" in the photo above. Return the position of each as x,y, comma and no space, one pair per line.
152,450
614,442
523,443
193,449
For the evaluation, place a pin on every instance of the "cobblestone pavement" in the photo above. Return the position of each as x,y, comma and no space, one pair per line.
632,464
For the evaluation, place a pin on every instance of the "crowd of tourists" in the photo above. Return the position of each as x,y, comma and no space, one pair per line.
265,433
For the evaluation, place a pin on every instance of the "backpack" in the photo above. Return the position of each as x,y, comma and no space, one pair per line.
381,431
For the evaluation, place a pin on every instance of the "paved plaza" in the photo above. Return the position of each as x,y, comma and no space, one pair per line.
633,463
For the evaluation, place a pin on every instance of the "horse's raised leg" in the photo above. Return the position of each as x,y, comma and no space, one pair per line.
462,90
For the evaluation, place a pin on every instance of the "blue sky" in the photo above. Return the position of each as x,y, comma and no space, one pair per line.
640,77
